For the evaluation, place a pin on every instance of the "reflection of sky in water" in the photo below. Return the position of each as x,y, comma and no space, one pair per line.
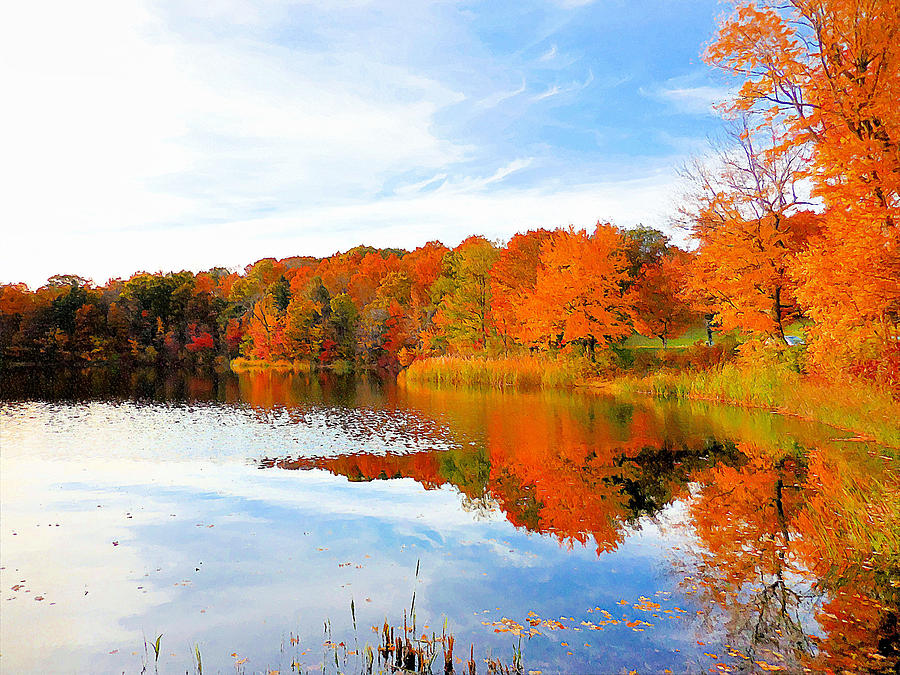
262,573
198,431
165,525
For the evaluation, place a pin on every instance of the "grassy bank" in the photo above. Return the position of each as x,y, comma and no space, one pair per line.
517,371
858,406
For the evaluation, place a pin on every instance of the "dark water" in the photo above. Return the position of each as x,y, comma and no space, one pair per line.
243,515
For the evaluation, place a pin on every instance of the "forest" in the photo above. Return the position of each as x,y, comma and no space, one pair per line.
793,218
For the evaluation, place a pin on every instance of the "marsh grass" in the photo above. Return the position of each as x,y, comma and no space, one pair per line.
515,371
404,648
246,365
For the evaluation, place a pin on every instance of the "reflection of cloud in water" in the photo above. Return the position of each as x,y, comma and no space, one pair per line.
211,432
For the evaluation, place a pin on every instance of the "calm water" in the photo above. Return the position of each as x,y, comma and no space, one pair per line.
243,515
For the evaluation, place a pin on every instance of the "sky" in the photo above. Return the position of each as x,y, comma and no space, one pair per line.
161,135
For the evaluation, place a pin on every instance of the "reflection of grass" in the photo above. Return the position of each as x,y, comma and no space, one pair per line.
854,516
516,371
855,406
239,365
403,648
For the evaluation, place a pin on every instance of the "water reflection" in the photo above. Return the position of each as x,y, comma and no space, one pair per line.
672,536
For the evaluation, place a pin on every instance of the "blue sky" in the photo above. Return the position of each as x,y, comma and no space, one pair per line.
164,135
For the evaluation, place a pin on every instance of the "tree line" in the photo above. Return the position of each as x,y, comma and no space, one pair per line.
544,290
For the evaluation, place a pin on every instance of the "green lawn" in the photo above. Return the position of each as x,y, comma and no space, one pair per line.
698,332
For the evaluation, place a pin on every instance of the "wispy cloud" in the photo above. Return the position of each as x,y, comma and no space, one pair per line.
434,181
493,100
549,55
689,94
552,91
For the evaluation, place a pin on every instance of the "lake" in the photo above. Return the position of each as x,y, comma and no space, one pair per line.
276,521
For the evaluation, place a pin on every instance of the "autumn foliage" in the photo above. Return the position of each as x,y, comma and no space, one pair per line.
796,217
543,291
825,75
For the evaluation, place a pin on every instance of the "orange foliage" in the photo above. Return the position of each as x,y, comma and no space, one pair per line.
829,72
513,277
658,307
578,294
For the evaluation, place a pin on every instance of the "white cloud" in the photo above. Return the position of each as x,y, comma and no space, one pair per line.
421,185
686,96
549,54
115,123
552,91
496,99
409,219
695,99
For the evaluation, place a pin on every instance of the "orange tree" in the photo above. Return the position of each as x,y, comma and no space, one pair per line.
578,291
745,213
828,72
658,307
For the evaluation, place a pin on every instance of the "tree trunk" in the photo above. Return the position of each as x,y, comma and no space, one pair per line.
776,310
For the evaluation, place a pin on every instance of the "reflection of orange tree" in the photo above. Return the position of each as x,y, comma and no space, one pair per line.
424,467
761,551
551,471
566,486
747,566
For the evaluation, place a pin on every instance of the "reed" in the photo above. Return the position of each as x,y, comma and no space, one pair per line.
241,364
516,371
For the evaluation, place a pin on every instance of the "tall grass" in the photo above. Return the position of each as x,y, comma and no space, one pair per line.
515,371
244,365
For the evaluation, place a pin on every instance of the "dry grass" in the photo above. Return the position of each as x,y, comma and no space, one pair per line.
244,365
516,371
